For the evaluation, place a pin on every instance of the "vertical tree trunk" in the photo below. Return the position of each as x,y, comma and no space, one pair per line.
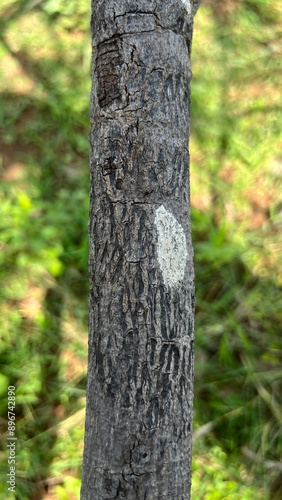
140,373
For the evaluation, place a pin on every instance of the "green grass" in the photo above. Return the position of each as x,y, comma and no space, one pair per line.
236,186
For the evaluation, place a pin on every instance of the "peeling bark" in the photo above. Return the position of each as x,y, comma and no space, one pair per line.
140,376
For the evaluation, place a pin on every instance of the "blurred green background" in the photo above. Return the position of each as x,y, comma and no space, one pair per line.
236,184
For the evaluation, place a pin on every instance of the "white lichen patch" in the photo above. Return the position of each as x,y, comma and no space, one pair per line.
171,247
187,5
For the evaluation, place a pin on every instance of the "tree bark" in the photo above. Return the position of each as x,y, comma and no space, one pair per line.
138,430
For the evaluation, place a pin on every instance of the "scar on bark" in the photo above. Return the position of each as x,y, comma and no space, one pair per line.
108,63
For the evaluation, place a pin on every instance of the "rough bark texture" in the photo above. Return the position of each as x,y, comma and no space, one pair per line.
140,374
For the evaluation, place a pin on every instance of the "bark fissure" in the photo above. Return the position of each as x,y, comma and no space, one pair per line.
140,375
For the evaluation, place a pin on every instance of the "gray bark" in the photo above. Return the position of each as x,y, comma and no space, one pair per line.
140,376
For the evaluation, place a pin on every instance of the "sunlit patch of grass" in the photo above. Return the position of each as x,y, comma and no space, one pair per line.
216,477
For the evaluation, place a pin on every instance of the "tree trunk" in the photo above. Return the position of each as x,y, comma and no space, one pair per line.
140,373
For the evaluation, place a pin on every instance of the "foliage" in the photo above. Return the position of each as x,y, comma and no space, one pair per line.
215,477
236,196
236,178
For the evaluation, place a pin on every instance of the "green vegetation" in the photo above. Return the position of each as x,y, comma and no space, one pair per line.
236,184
